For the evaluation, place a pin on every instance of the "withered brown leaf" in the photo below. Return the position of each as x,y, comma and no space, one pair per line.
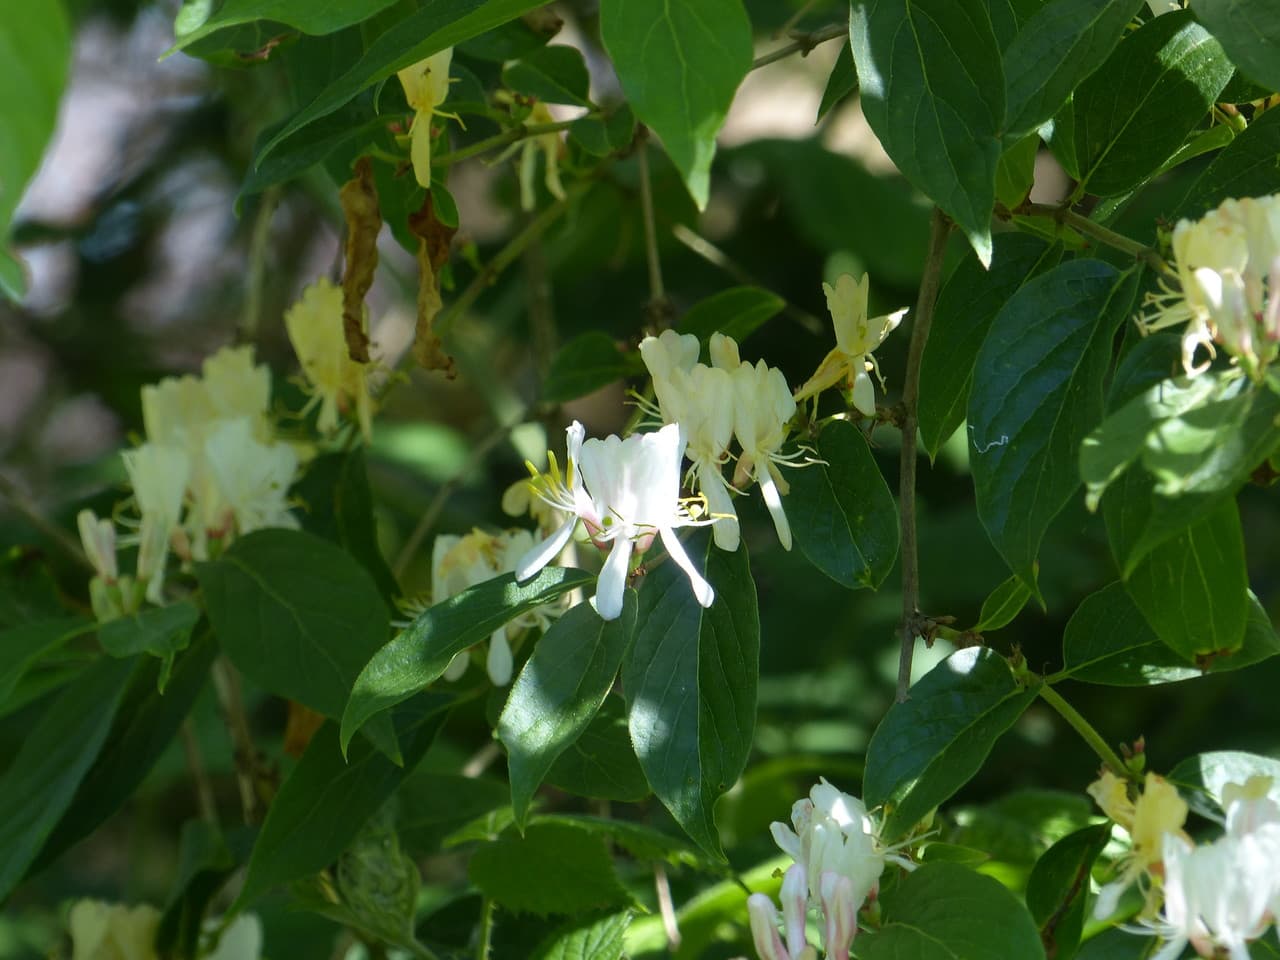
433,253
359,198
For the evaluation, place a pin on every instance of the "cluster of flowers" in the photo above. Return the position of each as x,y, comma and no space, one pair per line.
1215,896
627,492
212,467
113,931
1228,267
839,859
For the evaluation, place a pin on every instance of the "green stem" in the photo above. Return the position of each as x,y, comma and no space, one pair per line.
509,136
486,929
1086,730
802,44
1082,224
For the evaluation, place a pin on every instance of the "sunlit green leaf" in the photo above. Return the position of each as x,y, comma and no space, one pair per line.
1058,888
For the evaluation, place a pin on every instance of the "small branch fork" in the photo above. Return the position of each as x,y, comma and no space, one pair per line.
802,43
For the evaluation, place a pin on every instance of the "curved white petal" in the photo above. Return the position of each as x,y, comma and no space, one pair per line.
499,662
675,549
612,582
457,666
544,552
773,500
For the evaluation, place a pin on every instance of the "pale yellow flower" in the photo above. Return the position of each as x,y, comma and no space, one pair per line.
426,85
315,329
112,931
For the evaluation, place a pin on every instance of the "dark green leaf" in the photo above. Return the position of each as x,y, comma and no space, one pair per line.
842,514
588,940
1194,589
1062,43
842,82
1248,167
159,631
37,786
22,646
601,763
508,41
1016,171
943,911
1008,17
558,692
583,365
555,74
679,65
420,653
1249,31
28,591
932,89
690,682
433,805
966,307
1040,393
1108,641
554,868
736,312
304,15
204,864
1058,888
600,138
928,747
640,841
424,31
1003,604
1133,113
144,727
295,614
327,798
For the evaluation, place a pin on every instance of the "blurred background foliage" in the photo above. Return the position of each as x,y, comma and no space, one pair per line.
144,260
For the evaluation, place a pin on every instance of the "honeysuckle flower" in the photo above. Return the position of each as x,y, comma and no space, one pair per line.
158,474
242,940
426,85
178,410
763,406
252,478
338,383
112,931
1228,269
626,492
857,337
665,356
763,917
98,537
548,144
840,911
1249,806
1159,811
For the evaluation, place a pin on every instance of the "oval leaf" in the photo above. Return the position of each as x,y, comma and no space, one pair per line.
420,653
690,681
601,763
927,748
735,312
1249,31
1058,888
842,514
583,365
555,74
588,940
1004,603
1245,168
159,631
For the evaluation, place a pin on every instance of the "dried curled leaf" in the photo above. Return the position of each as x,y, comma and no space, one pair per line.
433,253
359,198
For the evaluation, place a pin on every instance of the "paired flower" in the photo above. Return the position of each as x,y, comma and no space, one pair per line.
113,931
857,337
338,383
426,85
1158,811
626,492
1228,267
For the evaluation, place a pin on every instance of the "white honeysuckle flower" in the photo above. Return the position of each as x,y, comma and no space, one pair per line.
548,144
158,474
763,406
1249,806
724,352
857,337
319,339
626,492
426,85
242,940
763,917
840,911
252,478
98,537
1158,811
179,409
112,931
665,356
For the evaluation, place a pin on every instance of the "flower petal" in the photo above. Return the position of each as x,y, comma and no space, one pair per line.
544,552
612,582
675,549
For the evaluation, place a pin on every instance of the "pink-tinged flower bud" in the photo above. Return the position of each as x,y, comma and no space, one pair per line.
795,906
841,914
99,540
764,928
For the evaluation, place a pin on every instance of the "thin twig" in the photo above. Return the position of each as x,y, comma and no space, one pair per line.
1082,224
659,309
666,907
803,44
30,511
447,489
255,280
922,317
226,683
195,763
509,136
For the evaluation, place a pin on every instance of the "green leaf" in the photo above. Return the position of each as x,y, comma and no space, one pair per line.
1247,167
204,864
601,939
842,514
583,365
1058,888
944,911
1249,31
1062,43
37,786
558,692
690,682
932,89
35,51
1043,363
927,748
737,312
424,31
1194,588
159,631
1108,641
966,308
1016,171
420,653
638,840
601,763
1003,604
1209,773
22,646
327,798
1132,114
554,868
842,82
145,725
433,805
303,15
679,65
555,74
601,138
